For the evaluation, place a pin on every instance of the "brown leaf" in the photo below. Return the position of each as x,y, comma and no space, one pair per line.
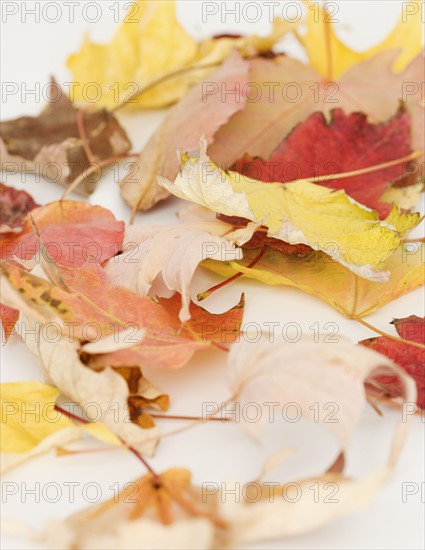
51,144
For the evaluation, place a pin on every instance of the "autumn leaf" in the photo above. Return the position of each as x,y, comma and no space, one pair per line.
52,145
14,206
408,357
93,308
25,435
160,511
72,232
299,212
287,91
168,511
306,373
105,335
173,252
192,117
330,57
259,517
344,144
105,394
151,44
320,276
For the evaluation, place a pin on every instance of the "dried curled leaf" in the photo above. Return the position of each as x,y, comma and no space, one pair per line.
307,373
51,145
166,511
297,212
107,390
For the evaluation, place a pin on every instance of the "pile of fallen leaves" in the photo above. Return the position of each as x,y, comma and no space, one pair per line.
315,193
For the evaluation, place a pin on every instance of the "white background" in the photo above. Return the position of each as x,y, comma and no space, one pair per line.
30,53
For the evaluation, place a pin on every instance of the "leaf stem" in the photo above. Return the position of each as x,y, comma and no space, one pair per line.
91,170
418,240
382,333
129,447
369,169
182,417
84,137
202,295
161,80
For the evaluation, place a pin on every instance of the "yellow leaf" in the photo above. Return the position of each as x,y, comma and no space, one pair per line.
319,276
331,57
29,420
297,212
150,44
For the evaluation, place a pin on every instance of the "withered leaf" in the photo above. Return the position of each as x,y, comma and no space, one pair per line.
51,144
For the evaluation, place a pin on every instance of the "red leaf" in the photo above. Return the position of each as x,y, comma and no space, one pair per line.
408,357
8,317
348,142
14,206
411,328
73,232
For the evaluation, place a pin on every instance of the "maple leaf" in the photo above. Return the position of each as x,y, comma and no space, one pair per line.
72,232
52,145
298,212
309,373
330,57
92,301
320,276
408,357
346,143
286,92
24,436
168,511
151,44
173,252
162,511
14,206
192,117
120,332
